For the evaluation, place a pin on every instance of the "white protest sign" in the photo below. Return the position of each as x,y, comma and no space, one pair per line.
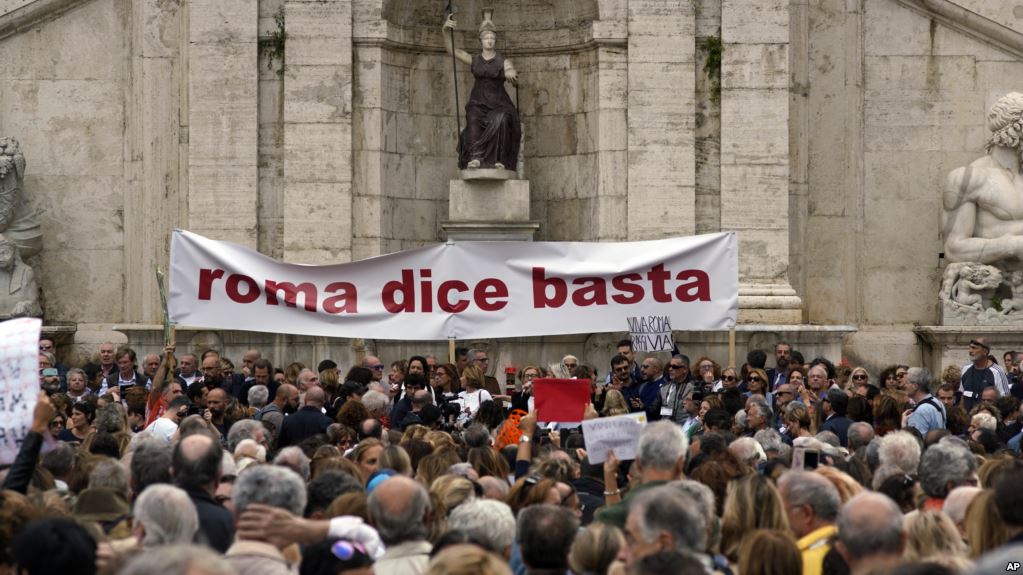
19,382
650,333
620,433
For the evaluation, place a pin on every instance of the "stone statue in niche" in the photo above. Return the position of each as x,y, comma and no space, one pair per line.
17,220
492,133
983,227
20,237
19,294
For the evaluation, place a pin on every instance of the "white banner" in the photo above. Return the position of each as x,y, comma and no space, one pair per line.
19,382
462,290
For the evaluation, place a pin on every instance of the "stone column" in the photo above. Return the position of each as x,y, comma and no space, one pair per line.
152,197
661,93
222,119
318,131
755,154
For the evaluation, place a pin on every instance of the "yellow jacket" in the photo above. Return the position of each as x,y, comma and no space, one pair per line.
814,546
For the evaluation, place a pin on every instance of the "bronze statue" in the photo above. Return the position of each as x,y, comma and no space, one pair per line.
492,130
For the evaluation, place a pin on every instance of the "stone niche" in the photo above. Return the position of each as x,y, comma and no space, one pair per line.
405,127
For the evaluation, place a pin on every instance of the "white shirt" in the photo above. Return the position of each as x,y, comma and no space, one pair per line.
471,402
162,428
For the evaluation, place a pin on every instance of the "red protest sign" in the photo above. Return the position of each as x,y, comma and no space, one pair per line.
562,400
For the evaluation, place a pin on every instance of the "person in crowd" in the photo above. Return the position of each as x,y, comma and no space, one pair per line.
399,508
812,505
660,458
981,373
284,403
545,533
164,515
307,421
80,425
870,533
196,469
272,486
833,407
943,467
752,503
769,552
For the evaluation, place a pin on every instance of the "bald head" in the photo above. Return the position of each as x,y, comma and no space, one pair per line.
315,396
870,527
196,462
398,508
285,391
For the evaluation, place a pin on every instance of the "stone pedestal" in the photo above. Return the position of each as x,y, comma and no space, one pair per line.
948,345
489,207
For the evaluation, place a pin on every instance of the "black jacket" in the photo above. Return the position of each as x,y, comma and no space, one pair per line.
216,524
302,424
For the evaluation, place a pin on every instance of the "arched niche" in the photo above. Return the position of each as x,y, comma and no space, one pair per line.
523,25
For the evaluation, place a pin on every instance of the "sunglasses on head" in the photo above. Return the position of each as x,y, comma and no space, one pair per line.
345,550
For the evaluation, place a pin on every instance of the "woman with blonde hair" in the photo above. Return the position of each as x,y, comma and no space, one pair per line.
396,458
769,552
932,536
473,393
847,486
614,404
752,502
366,456
798,422
595,549
985,529
467,560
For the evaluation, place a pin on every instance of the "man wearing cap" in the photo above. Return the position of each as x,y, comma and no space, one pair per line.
834,406
980,373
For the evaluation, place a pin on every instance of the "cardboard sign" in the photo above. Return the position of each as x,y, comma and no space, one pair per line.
620,433
19,382
650,333
561,400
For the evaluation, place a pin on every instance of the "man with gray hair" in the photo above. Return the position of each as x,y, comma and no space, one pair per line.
246,429
294,459
267,485
758,415
165,516
870,533
944,466
399,508
812,504
927,413
490,522
661,458
664,519
258,396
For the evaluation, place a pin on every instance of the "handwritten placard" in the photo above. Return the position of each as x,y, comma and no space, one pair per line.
650,332
19,382
620,433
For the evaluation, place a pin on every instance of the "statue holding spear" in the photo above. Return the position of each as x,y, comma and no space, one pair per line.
492,133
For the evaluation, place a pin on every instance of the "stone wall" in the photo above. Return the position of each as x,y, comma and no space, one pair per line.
895,98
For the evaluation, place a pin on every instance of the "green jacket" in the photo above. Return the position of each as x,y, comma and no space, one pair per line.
616,514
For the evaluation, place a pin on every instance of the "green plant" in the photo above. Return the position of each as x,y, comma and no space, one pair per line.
713,47
996,303
272,46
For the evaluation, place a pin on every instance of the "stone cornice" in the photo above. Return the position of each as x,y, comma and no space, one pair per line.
970,23
34,13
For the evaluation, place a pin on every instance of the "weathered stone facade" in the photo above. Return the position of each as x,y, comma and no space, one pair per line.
821,138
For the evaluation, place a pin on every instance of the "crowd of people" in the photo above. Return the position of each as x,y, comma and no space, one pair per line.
191,464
